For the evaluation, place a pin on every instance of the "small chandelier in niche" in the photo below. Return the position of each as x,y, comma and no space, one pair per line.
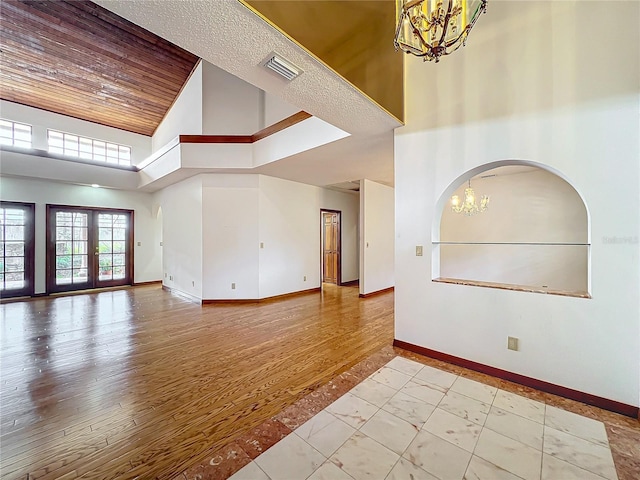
469,207
433,28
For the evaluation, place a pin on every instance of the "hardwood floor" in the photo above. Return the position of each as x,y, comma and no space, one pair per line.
141,383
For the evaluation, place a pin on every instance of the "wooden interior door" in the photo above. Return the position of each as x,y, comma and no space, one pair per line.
331,247
88,248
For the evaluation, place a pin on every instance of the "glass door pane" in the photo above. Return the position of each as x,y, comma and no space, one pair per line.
112,237
16,249
72,247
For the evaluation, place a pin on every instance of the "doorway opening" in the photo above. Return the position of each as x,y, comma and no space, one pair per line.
88,247
331,246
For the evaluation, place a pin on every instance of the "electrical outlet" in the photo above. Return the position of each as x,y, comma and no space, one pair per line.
418,250
233,286
193,283
512,343
170,277
139,244
160,243
305,278
261,244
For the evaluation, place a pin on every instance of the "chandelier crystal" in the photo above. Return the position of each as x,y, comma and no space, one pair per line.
433,28
469,207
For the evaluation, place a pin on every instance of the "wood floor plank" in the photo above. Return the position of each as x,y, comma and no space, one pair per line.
139,382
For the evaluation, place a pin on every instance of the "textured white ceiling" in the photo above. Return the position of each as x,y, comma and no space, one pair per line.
229,35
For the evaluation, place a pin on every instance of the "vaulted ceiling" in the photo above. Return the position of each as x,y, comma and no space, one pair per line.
76,58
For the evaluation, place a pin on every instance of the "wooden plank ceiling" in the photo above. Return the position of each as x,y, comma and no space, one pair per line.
79,59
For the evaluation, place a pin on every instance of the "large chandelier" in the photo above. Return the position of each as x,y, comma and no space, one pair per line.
469,207
433,28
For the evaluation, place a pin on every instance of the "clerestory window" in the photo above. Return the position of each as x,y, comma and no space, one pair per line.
15,134
88,148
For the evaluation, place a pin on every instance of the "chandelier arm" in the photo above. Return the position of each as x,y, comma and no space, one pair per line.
447,16
398,27
467,29
411,4
416,32
455,40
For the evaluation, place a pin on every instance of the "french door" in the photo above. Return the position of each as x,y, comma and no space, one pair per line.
17,234
88,248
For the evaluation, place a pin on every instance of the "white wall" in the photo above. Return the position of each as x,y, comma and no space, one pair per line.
213,225
377,239
544,89
230,236
305,135
214,102
146,256
541,218
290,232
229,105
182,227
24,164
276,109
185,115
41,120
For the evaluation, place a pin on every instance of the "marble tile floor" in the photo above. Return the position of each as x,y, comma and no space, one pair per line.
398,415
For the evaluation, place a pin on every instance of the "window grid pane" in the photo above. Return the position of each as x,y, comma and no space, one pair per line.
15,134
82,147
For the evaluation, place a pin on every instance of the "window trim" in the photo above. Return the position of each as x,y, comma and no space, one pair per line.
29,249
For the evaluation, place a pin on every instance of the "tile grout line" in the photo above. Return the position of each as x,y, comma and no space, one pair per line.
437,406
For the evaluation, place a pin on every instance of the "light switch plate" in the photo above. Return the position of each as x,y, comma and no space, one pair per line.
418,250
512,343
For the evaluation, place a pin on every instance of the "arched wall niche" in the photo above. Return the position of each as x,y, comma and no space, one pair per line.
534,237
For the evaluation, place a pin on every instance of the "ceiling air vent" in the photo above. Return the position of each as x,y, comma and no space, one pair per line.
282,67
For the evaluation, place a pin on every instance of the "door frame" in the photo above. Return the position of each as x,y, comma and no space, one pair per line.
50,247
29,249
339,276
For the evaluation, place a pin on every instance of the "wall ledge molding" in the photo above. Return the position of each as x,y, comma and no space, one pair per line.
589,399
514,288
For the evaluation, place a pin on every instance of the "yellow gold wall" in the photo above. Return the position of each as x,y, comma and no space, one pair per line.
354,37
